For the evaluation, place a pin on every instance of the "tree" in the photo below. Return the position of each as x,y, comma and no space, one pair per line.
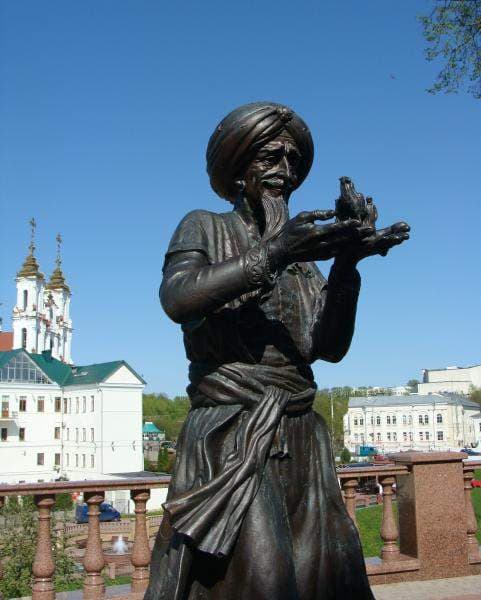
453,31
475,395
163,461
412,384
345,456
165,413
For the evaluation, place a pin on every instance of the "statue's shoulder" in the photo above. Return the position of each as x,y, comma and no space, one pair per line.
195,231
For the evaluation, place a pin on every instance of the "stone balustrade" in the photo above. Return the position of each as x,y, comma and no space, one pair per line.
43,568
432,536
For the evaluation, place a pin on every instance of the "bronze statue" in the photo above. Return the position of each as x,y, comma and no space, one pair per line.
254,509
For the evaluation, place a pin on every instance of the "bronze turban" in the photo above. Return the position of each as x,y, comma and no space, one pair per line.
242,133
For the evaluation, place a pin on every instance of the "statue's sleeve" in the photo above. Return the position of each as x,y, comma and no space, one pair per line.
194,284
335,315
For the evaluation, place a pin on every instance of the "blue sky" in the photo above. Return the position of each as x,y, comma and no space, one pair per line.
105,112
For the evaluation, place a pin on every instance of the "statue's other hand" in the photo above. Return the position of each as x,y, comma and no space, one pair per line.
301,240
381,241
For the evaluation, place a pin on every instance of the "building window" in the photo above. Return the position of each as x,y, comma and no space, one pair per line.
76,434
439,418
410,436
394,437
372,420
421,436
84,404
92,461
361,421
440,436
388,436
371,436
57,460
405,436
21,434
24,338
388,420
426,419
83,461
394,420
378,420
84,435
40,458
58,404
4,434
40,404
76,460
355,422
25,299
70,406
56,434
65,405
92,403
427,436
92,434
22,404
410,420
420,419
355,437
404,420
68,433
378,437
67,460
77,405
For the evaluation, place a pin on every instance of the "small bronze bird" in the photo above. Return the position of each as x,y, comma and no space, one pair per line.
350,204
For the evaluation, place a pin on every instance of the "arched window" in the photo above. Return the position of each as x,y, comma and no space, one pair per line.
361,421
426,419
355,422
388,420
410,420
439,418
404,420
394,436
25,299
394,420
420,419
378,437
378,420
24,337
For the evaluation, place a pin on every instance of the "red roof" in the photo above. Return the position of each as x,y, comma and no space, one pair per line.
6,340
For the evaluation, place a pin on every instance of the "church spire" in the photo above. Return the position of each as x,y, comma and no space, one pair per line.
57,279
30,265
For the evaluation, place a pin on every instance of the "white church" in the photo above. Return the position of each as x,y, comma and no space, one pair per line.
58,419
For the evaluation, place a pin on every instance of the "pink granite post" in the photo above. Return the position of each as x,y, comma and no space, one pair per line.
43,566
141,549
94,562
2,503
432,513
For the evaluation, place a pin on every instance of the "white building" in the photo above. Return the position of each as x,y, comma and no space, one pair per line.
57,419
415,422
457,380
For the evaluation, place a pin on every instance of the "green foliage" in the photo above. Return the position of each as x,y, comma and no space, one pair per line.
163,462
453,32
345,456
18,539
167,414
475,395
63,502
413,384
369,523
334,418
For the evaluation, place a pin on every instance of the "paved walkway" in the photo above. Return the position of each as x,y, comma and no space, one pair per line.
458,588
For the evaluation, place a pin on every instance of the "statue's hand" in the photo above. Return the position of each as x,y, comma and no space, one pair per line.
380,242
300,240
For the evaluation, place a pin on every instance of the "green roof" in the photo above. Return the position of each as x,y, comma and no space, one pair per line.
150,428
66,375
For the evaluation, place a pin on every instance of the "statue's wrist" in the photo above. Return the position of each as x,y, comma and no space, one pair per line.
257,268
276,256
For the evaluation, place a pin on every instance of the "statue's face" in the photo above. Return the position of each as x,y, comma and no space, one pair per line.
273,170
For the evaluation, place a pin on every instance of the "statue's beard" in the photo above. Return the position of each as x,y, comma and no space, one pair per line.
276,215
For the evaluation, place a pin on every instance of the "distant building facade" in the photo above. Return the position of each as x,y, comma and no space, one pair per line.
457,380
57,419
414,422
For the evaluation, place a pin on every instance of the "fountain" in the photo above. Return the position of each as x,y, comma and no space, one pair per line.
118,556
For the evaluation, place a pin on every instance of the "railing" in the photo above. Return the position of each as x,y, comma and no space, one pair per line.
94,493
434,535
435,532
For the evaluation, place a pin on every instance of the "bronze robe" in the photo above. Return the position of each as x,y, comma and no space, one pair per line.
254,510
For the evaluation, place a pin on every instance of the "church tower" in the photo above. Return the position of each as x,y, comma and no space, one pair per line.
57,310
28,325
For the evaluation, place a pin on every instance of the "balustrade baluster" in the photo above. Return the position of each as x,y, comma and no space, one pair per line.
43,567
349,488
93,562
389,528
141,549
471,522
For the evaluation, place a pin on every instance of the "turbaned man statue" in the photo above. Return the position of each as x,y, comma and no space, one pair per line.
254,510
